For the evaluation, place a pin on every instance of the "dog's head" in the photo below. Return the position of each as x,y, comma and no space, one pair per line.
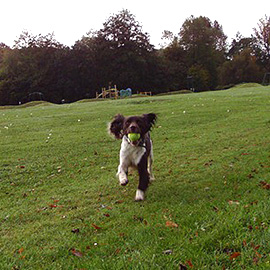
121,125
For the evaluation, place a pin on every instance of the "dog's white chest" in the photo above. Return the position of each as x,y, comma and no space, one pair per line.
131,154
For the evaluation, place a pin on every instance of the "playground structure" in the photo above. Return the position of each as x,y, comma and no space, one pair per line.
144,93
108,93
125,93
114,93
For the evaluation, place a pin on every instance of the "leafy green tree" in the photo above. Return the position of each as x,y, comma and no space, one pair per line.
3,49
246,59
239,44
242,68
200,76
131,56
120,53
175,65
3,92
123,30
262,42
28,40
90,56
37,64
205,45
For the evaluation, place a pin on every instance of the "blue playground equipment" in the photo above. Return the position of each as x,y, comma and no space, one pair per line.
125,93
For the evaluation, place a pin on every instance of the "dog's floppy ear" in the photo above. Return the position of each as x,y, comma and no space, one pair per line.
150,119
116,126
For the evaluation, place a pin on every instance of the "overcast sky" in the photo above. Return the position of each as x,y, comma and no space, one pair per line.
70,20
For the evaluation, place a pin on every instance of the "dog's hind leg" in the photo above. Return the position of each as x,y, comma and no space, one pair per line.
150,169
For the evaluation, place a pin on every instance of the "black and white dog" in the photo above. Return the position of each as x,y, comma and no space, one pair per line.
138,154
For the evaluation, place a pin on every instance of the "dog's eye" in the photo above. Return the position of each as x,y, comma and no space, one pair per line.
127,123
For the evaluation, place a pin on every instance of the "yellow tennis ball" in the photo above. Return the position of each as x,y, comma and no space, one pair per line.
134,136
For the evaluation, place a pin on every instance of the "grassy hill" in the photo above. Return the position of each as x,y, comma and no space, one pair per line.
61,206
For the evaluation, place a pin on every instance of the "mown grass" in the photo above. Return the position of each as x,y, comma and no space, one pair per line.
61,206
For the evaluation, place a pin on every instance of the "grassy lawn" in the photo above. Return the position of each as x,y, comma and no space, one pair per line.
61,206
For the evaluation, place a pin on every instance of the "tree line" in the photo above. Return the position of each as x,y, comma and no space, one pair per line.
198,58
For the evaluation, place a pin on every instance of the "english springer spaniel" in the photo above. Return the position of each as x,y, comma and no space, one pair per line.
139,153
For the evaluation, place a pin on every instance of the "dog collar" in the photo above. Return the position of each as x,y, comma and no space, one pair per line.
142,143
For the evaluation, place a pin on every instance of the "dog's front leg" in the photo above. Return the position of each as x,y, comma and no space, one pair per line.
143,179
124,164
122,173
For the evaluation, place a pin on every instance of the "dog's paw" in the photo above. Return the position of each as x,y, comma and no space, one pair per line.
152,178
123,182
139,195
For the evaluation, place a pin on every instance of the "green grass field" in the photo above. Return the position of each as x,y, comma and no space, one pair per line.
61,206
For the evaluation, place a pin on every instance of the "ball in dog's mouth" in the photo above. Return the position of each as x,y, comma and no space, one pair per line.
134,137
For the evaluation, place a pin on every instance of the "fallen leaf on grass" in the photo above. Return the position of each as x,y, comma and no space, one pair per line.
233,202
122,234
119,201
256,247
235,255
210,163
105,207
255,260
189,263
76,253
171,224
250,204
42,209
258,254
75,230
265,185
53,205
20,251
96,227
